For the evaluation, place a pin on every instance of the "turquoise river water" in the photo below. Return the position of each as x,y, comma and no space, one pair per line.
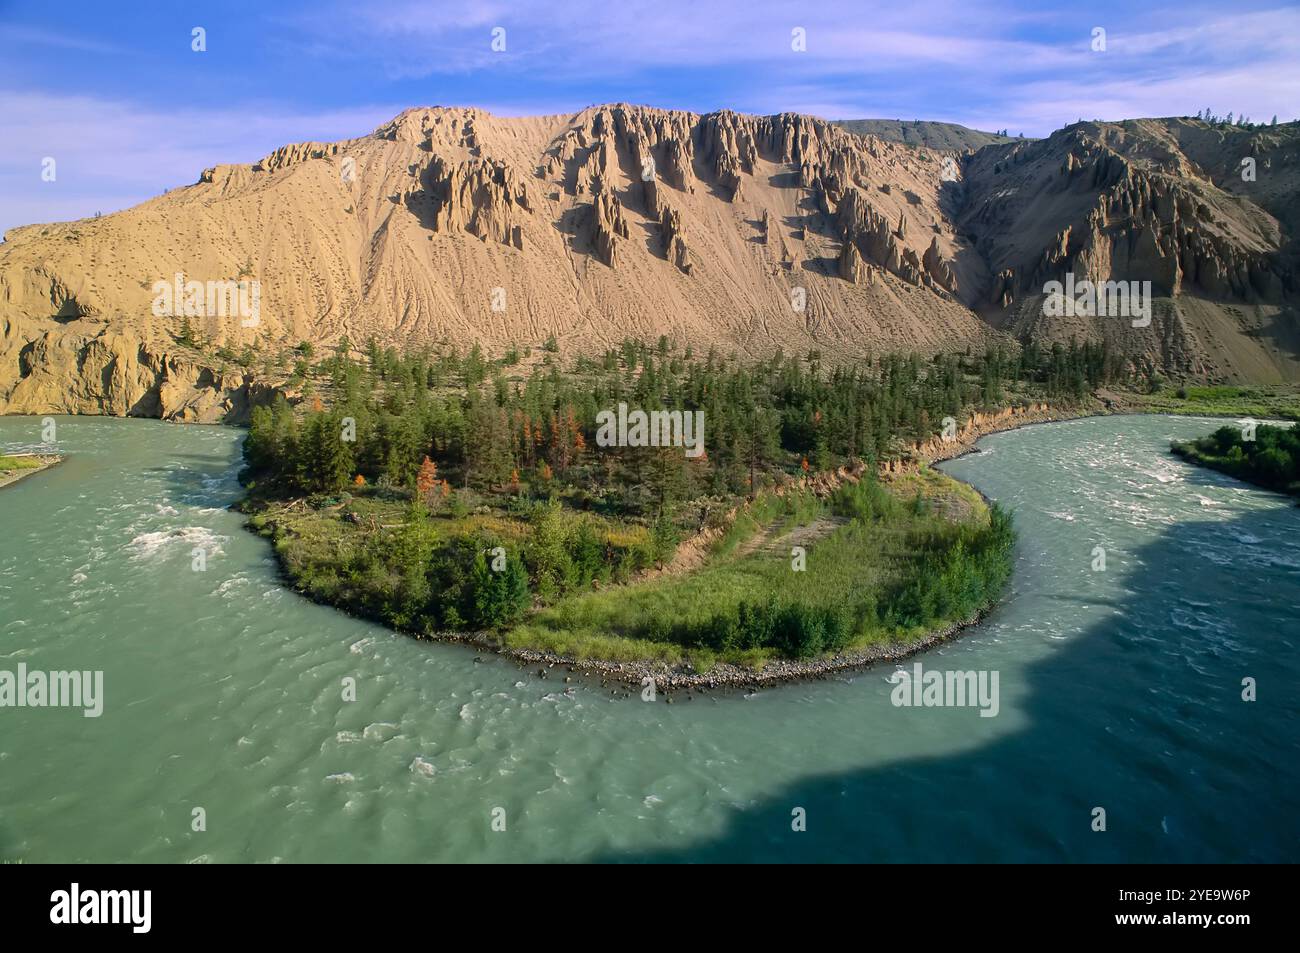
1119,689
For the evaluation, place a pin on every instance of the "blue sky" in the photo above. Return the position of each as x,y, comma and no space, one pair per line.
113,91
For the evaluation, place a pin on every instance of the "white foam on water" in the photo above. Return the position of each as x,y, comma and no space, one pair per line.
420,766
229,586
379,731
1163,477
147,545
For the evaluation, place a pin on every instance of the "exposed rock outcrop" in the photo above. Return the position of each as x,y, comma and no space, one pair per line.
623,219
850,264
674,244
608,226
654,207
483,198
295,153
938,269
1141,210
114,373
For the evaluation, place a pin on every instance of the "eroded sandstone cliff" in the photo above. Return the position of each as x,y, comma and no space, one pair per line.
453,225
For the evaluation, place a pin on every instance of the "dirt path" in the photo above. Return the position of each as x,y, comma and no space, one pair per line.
804,535
694,552
773,540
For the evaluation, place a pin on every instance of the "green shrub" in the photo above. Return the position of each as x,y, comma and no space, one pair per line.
794,629
586,554
958,576
865,500
499,598
546,553
1271,460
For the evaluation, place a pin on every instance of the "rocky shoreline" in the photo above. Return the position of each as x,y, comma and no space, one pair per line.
631,675
46,460
723,677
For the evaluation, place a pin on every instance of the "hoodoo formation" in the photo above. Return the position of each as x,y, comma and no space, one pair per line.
632,221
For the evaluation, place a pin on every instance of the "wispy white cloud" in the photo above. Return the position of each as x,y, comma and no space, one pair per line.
585,36
990,65
112,154
980,58
16,34
1233,62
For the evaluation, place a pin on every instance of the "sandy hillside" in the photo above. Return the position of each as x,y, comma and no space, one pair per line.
745,232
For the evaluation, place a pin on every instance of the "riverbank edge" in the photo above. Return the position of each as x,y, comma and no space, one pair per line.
47,460
725,676
1187,452
666,678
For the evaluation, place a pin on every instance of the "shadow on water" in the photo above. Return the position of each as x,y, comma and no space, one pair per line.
1133,715
206,479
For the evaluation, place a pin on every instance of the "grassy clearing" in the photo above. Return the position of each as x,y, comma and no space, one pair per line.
862,569
20,463
769,513
883,562
1276,401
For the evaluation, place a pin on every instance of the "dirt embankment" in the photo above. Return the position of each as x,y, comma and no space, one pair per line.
938,449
